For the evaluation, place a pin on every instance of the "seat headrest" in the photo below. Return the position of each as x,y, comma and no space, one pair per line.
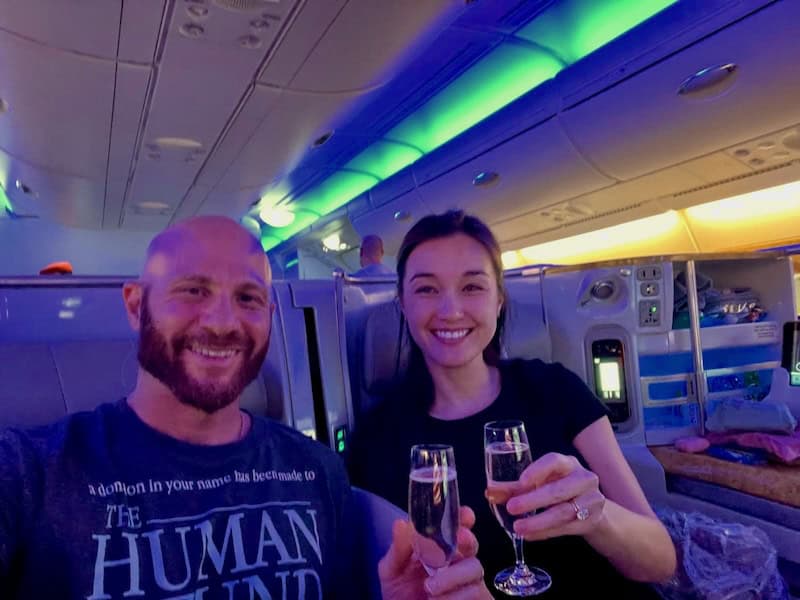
386,346
385,349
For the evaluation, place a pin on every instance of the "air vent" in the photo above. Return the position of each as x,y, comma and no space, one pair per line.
607,213
714,184
244,5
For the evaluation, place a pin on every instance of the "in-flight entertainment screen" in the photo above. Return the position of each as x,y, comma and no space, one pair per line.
791,351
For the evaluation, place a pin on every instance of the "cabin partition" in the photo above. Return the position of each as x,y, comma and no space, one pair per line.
665,342
66,346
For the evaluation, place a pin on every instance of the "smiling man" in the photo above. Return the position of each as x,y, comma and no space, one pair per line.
175,492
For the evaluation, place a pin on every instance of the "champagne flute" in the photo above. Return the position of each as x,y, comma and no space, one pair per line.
433,504
507,456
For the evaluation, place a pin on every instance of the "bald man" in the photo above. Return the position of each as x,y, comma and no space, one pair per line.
175,492
370,256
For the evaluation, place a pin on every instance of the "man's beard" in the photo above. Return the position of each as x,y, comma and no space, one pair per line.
155,358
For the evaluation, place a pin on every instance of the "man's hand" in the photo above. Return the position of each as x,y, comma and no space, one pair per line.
404,578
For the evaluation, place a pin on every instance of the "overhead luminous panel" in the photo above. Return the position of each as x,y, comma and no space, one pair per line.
336,191
329,195
5,203
383,159
496,80
272,236
576,28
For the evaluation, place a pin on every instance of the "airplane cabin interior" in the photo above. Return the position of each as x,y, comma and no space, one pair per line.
638,161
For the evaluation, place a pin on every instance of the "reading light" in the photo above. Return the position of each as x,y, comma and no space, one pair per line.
485,179
332,242
277,216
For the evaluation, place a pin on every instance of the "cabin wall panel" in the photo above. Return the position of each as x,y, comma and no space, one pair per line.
38,242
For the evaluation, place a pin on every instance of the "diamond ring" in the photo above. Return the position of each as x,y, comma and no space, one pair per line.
580,513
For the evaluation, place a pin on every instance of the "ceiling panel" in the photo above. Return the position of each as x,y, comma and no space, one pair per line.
245,125
191,202
129,102
59,111
308,26
89,26
385,31
283,137
141,22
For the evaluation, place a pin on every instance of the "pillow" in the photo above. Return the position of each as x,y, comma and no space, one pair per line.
747,415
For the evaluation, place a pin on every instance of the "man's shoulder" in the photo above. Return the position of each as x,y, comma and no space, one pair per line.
49,439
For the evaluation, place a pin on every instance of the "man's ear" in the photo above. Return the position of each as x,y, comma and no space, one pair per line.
132,296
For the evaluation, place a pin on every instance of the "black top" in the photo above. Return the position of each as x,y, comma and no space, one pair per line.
555,406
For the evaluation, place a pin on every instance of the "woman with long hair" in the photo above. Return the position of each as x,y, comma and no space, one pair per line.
578,506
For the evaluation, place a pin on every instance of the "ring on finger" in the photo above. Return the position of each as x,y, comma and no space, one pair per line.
580,513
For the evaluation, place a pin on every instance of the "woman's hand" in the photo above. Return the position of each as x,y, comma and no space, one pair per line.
566,494
404,578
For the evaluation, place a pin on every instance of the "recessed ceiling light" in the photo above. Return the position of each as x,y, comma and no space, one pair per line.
709,82
332,242
402,215
178,142
277,216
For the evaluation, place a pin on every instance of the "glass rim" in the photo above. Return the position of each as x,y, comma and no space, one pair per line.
503,424
432,447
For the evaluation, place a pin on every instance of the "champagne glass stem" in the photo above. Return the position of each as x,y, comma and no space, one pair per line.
521,568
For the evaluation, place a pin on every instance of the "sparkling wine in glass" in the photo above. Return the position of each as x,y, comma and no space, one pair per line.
433,504
507,455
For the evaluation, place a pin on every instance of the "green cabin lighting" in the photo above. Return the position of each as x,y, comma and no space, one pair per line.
561,35
5,203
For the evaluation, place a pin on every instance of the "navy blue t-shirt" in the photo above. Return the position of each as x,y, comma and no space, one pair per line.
555,406
100,505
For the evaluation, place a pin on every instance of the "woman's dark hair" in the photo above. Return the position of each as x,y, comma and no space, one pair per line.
440,226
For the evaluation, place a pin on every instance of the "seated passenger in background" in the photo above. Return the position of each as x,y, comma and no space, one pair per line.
450,286
371,258
176,491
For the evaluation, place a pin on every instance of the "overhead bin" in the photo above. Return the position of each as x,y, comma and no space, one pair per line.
534,169
643,124
382,220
